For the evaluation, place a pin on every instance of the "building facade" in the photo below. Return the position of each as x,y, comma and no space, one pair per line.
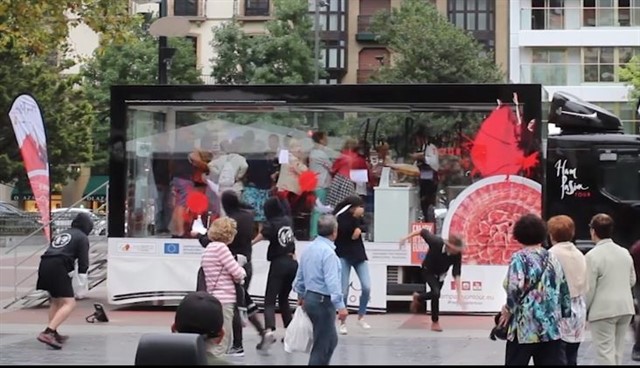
350,53
577,46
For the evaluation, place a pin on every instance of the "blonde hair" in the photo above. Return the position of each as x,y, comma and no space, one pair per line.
223,230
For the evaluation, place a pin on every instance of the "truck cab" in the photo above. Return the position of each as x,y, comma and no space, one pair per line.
592,167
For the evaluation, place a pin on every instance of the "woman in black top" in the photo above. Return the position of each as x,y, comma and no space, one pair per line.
278,230
350,250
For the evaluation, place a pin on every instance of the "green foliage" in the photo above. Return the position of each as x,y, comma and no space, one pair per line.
68,118
427,48
284,55
630,74
134,62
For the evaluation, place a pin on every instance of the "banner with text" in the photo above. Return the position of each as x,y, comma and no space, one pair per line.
419,247
28,126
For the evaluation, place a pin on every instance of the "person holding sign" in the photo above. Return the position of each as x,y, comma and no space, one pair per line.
441,255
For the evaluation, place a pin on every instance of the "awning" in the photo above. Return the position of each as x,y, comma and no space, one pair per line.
25,194
94,183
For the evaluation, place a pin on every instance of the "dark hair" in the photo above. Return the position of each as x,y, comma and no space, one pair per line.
199,313
530,230
275,207
354,201
602,225
231,202
318,136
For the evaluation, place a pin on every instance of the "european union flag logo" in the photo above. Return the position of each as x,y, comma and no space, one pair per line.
171,248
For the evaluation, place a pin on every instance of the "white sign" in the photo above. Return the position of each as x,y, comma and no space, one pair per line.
569,179
481,286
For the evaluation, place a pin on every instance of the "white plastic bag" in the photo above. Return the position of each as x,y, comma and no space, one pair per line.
299,334
80,283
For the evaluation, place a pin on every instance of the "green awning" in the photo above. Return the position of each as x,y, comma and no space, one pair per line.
94,183
21,194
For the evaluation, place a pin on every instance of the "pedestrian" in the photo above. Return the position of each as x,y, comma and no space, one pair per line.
350,249
441,255
281,253
221,273
319,290
537,299
609,300
201,313
574,265
241,245
635,254
54,275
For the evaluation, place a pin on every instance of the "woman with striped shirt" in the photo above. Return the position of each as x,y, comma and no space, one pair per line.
221,272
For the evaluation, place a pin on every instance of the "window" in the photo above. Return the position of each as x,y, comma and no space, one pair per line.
187,8
332,16
622,178
601,64
256,8
333,55
611,13
547,14
476,16
548,66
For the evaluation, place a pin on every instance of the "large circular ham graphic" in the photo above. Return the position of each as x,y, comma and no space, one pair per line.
484,214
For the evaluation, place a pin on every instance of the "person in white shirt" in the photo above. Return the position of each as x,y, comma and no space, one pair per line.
319,163
428,161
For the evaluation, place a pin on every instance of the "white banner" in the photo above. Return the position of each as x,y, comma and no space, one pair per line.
28,126
481,286
166,269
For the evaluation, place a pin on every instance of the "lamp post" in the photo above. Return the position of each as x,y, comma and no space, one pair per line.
162,47
316,49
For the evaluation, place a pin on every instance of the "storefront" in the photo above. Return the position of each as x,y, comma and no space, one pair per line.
487,173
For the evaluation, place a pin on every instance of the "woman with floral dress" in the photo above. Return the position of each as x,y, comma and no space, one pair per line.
574,266
537,299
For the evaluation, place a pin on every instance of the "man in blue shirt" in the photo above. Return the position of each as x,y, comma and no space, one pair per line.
319,289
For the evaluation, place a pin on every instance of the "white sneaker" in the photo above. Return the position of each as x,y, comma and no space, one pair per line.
364,324
343,329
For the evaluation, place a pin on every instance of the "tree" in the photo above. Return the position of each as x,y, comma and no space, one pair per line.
284,55
68,117
33,49
134,62
427,48
630,74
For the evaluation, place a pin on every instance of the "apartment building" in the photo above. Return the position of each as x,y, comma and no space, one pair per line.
577,46
203,15
350,53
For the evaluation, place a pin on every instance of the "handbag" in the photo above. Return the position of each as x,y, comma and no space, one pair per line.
500,332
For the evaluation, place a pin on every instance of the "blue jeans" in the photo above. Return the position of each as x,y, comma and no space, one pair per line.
322,314
362,270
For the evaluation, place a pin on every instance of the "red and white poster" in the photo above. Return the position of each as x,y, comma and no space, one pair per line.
419,247
29,129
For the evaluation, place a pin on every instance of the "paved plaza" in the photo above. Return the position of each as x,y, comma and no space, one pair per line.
394,339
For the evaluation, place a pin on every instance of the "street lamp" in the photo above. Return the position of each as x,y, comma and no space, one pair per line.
162,28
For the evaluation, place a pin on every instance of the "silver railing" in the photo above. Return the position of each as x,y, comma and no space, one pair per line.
97,255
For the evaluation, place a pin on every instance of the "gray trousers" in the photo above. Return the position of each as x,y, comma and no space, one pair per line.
608,336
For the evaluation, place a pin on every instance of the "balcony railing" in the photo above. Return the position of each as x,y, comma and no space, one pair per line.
207,79
364,75
578,18
568,74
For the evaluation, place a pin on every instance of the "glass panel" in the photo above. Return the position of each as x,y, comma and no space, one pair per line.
258,151
342,58
459,20
622,178
607,73
483,4
482,21
333,58
605,13
459,4
333,5
624,55
333,22
539,55
606,55
590,55
471,22
471,5
591,73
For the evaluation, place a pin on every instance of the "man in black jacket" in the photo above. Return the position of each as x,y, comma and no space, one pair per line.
56,265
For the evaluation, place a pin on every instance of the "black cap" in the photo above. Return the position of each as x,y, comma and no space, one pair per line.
199,313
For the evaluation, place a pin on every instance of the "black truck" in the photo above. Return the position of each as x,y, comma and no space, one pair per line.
592,167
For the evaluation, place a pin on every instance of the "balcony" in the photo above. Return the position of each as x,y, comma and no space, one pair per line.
573,18
364,33
364,75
